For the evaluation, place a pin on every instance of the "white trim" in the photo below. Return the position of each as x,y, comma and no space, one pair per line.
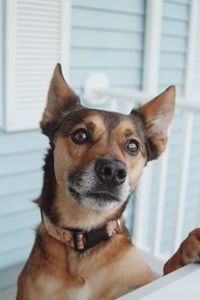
160,202
2,34
143,193
193,31
183,178
150,86
152,45
182,284
66,38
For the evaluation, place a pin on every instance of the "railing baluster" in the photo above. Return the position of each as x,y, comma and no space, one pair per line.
141,209
183,179
161,183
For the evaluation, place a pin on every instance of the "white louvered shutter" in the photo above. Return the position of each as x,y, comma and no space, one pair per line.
37,37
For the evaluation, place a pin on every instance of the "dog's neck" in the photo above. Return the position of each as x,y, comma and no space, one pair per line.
82,240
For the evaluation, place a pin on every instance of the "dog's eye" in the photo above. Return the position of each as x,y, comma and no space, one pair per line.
80,136
132,147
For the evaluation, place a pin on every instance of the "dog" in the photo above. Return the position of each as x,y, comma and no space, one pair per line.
83,250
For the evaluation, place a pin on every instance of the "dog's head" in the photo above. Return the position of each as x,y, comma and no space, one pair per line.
100,155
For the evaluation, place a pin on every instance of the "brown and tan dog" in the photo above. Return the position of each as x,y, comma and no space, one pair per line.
83,250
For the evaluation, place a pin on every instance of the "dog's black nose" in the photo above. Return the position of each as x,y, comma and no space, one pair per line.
111,171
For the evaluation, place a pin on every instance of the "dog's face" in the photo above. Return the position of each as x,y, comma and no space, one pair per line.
99,155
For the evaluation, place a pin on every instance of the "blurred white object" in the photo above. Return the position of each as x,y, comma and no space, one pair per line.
94,82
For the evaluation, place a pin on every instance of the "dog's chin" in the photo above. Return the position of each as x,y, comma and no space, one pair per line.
101,200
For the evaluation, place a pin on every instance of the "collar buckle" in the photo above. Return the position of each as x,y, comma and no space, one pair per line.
79,239
118,226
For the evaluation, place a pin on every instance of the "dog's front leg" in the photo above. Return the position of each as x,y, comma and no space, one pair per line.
188,252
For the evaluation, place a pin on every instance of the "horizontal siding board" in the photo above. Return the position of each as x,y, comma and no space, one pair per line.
173,60
177,76
15,256
180,2
8,293
89,58
107,20
176,11
24,219
19,163
8,277
83,37
21,158
136,6
15,203
21,142
20,183
173,44
175,28
1,60
17,240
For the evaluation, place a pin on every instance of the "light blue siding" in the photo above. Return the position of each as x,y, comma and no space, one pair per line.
108,37
21,159
1,61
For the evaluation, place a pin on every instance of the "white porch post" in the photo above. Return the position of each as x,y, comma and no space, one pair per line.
150,86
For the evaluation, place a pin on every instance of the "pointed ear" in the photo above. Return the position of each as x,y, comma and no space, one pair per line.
61,99
157,116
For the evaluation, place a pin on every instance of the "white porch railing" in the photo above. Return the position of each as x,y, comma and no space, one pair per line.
124,100
182,284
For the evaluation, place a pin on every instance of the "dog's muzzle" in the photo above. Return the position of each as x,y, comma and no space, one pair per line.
102,184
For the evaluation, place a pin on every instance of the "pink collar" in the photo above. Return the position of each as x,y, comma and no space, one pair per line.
79,239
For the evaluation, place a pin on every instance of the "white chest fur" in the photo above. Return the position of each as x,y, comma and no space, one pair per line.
80,293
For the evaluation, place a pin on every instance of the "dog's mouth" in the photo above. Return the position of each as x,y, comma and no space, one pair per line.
103,195
100,195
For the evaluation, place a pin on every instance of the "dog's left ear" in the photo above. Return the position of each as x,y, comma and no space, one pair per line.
61,100
157,116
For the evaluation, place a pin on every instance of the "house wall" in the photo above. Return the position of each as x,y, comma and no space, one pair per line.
174,46
108,36
1,62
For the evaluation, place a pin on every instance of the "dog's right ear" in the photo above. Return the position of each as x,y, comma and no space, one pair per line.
61,100
157,116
